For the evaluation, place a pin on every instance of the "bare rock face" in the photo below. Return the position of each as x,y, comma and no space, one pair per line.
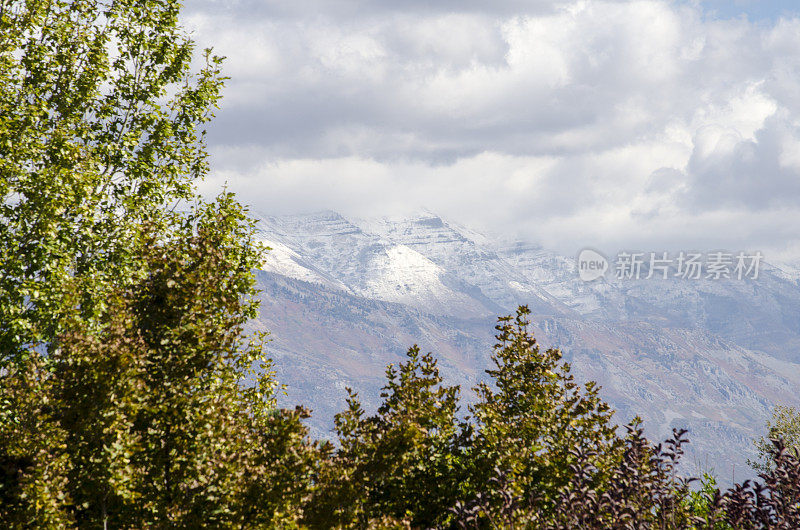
343,298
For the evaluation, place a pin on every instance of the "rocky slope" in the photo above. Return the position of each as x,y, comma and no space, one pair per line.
342,298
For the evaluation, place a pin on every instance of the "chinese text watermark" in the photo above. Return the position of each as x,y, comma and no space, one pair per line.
715,265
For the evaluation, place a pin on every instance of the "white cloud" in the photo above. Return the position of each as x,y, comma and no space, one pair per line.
642,123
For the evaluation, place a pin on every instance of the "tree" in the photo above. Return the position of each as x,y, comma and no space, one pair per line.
546,455
785,426
129,395
535,418
100,137
639,490
166,416
402,465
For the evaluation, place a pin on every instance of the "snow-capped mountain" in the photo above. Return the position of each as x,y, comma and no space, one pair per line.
342,298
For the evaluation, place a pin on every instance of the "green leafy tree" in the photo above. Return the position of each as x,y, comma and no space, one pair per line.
784,425
402,465
165,416
129,396
33,465
701,503
100,137
534,417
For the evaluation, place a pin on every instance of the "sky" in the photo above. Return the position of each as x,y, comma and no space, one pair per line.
647,124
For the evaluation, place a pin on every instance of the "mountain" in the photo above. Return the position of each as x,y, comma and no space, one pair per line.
344,297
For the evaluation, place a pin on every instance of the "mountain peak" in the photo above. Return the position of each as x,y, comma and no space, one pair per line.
430,221
719,351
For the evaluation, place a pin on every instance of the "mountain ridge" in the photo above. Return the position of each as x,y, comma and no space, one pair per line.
713,356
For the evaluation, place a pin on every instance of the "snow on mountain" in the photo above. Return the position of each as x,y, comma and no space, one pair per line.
789,270
283,260
469,259
344,297
366,264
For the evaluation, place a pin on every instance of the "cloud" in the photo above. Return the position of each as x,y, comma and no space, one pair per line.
589,122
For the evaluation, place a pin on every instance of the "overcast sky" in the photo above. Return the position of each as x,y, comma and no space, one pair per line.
614,124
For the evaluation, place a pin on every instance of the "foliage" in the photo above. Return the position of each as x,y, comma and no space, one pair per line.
640,491
100,137
540,452
773,503
130,396
403,462
703,503
536,417
153,421
784,425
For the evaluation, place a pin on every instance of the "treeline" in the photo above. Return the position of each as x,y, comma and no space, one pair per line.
165,417
130,396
